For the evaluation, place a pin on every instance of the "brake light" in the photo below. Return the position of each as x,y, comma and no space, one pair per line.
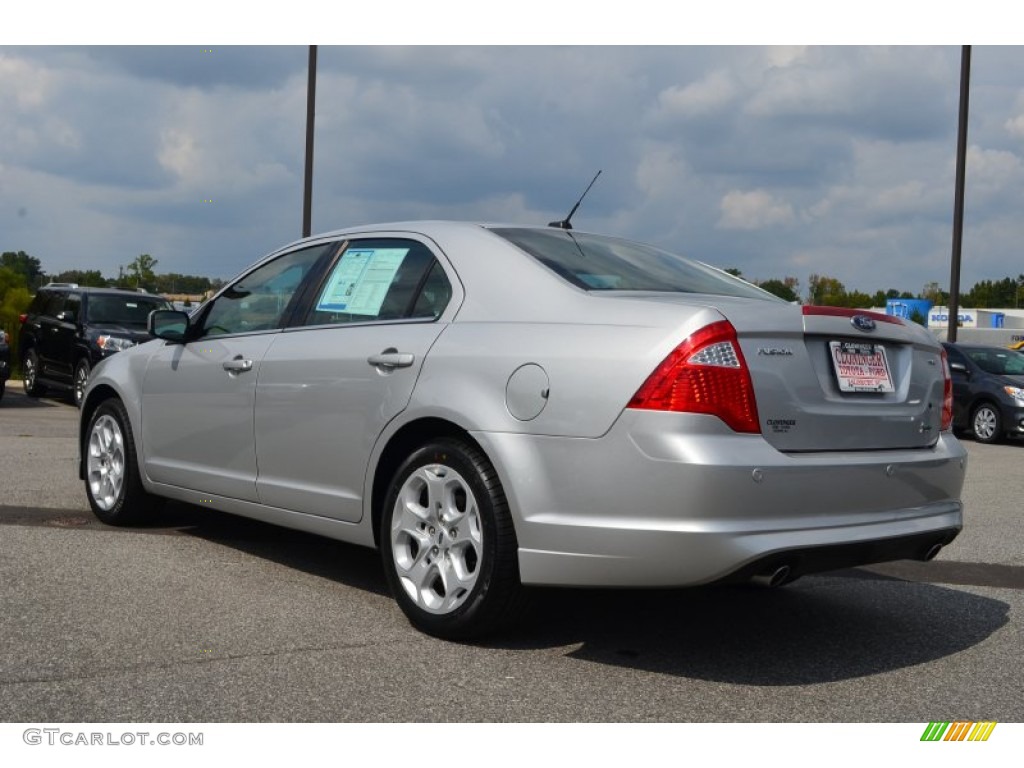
947,394
704,374
22,318
813,309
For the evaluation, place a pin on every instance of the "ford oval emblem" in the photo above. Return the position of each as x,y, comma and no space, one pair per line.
863,323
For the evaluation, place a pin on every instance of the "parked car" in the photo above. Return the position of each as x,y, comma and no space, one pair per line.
1017,345
498,406
5,361
67,330
988,390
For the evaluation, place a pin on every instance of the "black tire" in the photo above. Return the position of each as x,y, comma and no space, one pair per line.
112,481
80,381
30,375
3,387
461,528
987,424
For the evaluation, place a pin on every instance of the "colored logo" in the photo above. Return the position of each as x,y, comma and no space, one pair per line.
958,731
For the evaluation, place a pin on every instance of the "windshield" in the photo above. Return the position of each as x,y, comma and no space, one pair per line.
596,263
1003,362
123,310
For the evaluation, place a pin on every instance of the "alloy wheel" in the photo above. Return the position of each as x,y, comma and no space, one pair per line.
105,462
436,538
986,423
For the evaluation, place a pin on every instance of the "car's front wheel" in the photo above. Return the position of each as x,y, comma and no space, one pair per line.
986,424
448,543
30,374
81,380
112,480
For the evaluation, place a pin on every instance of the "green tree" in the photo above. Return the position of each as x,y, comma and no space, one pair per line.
140,272
826,291
174,282
14,299
788,289
89,277
27,266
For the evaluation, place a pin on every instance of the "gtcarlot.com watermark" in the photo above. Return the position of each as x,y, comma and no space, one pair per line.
53,737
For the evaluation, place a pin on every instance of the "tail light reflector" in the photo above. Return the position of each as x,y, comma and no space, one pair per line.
706,373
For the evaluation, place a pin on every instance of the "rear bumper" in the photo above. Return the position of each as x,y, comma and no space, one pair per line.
676,500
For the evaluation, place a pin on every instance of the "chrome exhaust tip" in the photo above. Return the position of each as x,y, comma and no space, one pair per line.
932,552
773,578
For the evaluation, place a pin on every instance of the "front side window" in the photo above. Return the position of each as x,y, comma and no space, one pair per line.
258,302
381,279
998,361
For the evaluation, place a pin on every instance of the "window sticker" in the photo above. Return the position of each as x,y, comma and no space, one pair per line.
361,280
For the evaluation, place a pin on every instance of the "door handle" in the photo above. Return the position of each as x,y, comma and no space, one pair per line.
391,358
237,366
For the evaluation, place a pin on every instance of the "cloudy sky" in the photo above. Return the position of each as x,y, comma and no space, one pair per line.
780,161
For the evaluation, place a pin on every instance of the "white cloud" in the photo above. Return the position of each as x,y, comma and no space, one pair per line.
708,95
757,209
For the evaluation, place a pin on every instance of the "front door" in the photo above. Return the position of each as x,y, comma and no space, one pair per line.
198,397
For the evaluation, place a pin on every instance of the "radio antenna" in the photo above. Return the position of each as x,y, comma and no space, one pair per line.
564,223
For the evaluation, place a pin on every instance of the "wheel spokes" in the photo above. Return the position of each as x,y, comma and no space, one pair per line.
436,538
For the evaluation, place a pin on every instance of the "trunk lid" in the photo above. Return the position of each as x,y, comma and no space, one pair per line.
832,379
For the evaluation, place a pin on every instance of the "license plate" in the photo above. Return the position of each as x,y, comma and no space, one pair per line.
860,367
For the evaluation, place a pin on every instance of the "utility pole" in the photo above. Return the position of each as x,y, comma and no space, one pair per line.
958,199
307,197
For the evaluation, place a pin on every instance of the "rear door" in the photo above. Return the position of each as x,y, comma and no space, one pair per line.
329,386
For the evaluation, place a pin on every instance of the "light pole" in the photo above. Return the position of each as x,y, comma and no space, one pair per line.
958,197
307,197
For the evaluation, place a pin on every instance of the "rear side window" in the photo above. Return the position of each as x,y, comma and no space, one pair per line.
50,303
596,263
381,279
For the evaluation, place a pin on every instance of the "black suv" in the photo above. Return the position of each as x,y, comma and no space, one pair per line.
988,390
67,330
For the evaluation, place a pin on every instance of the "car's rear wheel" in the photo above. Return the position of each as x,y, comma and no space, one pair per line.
30,374
448,543
81,380
986,423
112,480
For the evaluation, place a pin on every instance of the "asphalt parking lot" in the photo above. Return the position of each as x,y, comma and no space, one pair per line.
209,618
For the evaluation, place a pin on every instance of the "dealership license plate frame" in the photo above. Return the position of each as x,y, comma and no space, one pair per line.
864,367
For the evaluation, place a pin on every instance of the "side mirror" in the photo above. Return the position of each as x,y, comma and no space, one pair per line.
168,324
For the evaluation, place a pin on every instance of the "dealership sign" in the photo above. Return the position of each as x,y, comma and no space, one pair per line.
939,317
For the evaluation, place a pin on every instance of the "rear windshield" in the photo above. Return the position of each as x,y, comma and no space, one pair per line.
596,263
123,310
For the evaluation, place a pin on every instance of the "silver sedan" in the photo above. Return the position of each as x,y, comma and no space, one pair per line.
495,407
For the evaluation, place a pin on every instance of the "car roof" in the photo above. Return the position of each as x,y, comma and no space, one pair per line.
96,290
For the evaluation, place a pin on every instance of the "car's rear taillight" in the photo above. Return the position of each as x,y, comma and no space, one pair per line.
704,374
947,394
22,318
